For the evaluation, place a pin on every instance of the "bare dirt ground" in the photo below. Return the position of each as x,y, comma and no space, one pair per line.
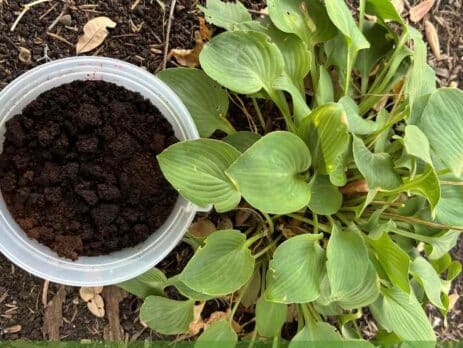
33,309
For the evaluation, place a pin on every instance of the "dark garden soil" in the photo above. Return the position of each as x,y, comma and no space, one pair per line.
78,169
49,31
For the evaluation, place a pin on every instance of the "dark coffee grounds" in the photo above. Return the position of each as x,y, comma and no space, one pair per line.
78,170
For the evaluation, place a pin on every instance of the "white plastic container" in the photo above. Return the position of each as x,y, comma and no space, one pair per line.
124,264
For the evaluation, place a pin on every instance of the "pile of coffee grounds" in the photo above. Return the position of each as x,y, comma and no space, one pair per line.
78,169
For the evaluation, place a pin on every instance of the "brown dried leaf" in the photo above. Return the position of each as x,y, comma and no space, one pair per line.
225,223
12,329
96,306
202,228
354,187
418,12
188,57
95,33
242,216
433,38
204,32
399,5
25,55
453,299
87,294
197,324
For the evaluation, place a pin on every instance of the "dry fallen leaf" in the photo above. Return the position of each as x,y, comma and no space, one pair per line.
12,329
418,12
453,299
399,5
433,38
202,228
95,33
354,187
25,55
225,223
96,306
197,324
242,216
87,294
188,57
204,32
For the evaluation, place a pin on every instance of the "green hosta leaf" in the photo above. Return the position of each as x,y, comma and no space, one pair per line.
225,14
307,19
319,334
377,168
383,9
270,317
324,93
347,262
417,144
401,313
242,140
442,244
206,100
244,62
250,292
325,132
426,185
448,211
295,271
427,276
151,282
222,266
394,261
341,17
325,198
186,291
357,124
270,174
364,293
284,83
196,169
442,122
218,334
166,316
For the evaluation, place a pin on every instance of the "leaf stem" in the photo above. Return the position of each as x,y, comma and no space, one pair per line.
316,226
279,99
267,248
322,227
413,220
253,239
259,114
235,306
253,338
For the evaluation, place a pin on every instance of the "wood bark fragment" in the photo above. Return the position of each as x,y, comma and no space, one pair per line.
53,316
112,297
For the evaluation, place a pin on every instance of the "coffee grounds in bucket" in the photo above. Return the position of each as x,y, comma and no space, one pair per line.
78,169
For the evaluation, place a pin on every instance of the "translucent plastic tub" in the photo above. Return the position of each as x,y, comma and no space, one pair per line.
124,264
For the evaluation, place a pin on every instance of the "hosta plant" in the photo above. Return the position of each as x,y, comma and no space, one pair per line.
364,155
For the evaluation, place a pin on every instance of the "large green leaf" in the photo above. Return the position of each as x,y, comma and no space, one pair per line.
383,9
442,122
225,14
347,262
186,291
204,98
324,92
307,19
166,316
448,211
326,134
196,169
149,283
270,317
223,265
377,168
317,335
270,174
394,261
325,198
427,276
243,61
417,144
242,140
357,124
218,334
442,244
401,313
295,270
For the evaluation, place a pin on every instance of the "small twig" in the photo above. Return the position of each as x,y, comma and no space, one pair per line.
26,8
48,11
57,19
60,38
169,26
134,5
46,283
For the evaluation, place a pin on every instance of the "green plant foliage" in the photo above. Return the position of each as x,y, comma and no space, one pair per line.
346,185
197,170
295,270
278,162
222,266
167,316
206,100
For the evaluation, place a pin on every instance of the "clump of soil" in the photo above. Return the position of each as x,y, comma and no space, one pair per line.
78,169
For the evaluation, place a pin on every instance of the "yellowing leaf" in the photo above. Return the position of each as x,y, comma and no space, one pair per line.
189,57
418,12
95,33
